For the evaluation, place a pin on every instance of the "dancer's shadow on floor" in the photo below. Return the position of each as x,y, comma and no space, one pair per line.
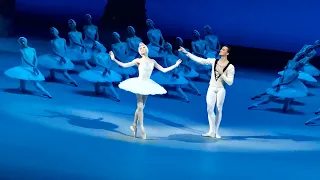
282,101
90,123
93,94
27,92
192,138
165,122
279,136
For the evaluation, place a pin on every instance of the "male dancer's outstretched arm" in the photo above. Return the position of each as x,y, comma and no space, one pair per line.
199,60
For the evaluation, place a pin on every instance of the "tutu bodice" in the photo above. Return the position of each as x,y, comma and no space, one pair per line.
59,45
212,42
91,31
155,35
102,58
75,36
121,51
145,70
200,46
27,55
134,43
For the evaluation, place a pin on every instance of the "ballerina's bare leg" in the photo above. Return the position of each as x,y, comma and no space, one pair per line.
285,108
113,91
194,88
259,96
87,65
68,77
97,89
23,86
40,88
182,94
139,116
313,120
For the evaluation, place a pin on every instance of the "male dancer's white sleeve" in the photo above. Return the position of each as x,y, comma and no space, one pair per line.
199,60
228,77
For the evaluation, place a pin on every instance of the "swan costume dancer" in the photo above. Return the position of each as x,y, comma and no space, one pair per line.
222,71
27,71
57,61
142,85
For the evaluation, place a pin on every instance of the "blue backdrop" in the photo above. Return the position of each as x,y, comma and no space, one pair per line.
281,25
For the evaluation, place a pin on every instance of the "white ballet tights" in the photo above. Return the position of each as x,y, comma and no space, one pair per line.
138,116
215,96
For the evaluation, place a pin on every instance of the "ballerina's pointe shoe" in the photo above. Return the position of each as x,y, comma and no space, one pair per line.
134,130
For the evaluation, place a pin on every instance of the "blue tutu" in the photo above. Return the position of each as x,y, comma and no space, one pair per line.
77,54
295,89
154,51
24,73
188,72
52,61
95,75
123,71
168,79
303,77
310,69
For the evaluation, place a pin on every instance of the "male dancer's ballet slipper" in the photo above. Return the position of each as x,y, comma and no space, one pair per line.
209,135
134,130
217,136
144,136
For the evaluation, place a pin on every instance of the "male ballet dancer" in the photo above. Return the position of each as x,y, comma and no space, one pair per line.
222,71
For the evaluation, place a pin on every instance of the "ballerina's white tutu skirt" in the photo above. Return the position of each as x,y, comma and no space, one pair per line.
295,89
303,76
77,54
142,86
24,73
95,76
52,61
310,69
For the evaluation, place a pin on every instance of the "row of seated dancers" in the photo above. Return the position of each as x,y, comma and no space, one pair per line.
293,81
89,52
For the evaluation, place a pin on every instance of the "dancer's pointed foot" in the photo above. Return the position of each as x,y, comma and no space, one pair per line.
209,134
134,130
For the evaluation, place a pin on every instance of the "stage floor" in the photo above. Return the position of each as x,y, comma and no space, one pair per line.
77,135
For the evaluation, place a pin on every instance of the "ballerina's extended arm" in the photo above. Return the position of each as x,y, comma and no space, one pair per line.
125,65
164,70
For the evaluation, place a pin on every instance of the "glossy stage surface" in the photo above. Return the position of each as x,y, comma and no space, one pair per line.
79,136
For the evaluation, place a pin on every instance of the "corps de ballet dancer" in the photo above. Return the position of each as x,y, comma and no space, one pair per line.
142,85
300,60
222,72
101,75
57,62
77,52
171,79
287,87
121,52
28,70
313,121
91,32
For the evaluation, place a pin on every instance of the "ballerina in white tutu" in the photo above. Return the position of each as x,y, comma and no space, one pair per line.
28,70
77,52
101,75
142,86
57,62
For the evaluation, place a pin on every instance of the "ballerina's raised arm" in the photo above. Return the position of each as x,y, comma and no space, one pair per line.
164,70
125,65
